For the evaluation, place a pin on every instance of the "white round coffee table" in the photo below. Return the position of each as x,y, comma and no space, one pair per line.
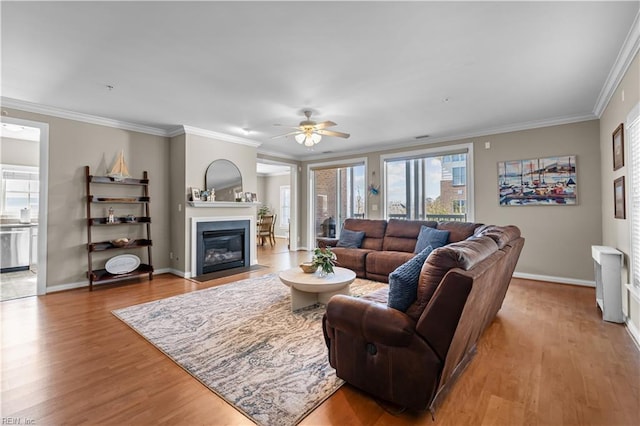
309,289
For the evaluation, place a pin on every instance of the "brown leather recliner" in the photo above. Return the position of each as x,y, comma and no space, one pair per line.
412,358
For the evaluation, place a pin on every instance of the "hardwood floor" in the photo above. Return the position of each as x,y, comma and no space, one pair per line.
547,359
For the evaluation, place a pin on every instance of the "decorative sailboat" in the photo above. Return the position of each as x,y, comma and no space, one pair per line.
119,171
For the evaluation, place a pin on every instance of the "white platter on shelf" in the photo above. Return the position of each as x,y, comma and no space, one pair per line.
122,264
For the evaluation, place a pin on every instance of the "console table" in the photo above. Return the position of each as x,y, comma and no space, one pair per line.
607,263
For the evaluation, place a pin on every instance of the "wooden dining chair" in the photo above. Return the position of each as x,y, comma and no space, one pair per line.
265,229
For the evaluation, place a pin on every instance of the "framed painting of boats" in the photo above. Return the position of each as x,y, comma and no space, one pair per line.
549,181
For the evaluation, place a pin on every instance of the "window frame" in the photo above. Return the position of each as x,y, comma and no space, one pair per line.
433,152
283,189
16,168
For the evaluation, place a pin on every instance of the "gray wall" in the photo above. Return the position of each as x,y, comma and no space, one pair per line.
616,232
74,144
558,238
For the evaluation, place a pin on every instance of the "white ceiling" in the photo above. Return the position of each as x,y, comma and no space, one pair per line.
385,72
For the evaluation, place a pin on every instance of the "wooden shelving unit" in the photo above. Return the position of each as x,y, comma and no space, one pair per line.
143,218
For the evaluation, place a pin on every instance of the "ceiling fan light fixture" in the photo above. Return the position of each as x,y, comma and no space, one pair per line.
316,138
300,137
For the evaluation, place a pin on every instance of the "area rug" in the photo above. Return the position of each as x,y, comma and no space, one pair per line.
242,341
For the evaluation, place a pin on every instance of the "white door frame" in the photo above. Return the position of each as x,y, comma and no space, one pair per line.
293,209
43,196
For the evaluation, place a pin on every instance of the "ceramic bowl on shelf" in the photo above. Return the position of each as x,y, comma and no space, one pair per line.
308,267
120,242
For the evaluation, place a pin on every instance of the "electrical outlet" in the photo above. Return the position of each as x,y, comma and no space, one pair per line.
487,145
170,255
179,207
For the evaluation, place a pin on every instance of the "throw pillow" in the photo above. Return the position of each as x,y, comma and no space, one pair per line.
431,237
403,282
350,239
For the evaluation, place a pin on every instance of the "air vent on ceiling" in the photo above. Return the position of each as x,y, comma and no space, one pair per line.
422,137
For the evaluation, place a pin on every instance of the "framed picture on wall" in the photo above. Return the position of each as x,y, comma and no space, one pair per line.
618,198
544,181
618,147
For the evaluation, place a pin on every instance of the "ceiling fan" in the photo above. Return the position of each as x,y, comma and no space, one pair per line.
309,133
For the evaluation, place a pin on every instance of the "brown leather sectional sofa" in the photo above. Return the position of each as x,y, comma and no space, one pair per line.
412,358
387,245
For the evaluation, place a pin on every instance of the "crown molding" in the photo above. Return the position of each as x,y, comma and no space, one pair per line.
124,125
78,116
277,154
529,125
628,51
189,130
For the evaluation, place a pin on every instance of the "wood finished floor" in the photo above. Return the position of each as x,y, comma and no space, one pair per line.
547,359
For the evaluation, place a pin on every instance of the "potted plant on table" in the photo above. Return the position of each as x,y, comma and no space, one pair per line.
325,260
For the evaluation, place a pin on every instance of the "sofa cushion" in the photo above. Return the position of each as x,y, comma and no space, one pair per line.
373,230
351,258
385,262
502,235
403,281
463,254
351,239
401,235
459,231
431,237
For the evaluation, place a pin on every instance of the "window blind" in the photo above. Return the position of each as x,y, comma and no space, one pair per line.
633,138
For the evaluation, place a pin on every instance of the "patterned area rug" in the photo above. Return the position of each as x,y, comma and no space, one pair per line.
242,341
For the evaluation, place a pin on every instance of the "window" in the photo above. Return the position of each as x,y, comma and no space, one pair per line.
458,206
285,206
20,189
429,184
459,176
338,191
632,140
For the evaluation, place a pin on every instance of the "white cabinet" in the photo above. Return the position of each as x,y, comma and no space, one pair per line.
607,263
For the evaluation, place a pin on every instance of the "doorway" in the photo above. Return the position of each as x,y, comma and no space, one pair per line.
23,206
277,194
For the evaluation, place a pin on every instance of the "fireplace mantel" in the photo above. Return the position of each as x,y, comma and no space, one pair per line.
214,204
194,230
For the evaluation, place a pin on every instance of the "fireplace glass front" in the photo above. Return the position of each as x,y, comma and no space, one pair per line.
223,249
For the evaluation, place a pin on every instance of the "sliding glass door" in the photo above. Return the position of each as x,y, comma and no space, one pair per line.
338,192
427,186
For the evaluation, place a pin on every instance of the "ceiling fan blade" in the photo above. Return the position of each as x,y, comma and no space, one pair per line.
287,126
286,134
333,133
324,125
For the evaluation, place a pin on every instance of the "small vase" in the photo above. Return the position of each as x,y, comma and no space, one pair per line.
322,273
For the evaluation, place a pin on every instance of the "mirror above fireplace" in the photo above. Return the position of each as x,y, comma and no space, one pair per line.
224,177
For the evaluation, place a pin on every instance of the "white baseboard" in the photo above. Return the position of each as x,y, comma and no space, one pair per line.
559,280
633,332
70,286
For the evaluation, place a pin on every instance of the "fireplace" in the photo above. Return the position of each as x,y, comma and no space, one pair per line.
221,245
222,250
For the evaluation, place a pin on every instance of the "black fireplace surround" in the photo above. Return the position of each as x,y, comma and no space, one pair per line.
222,245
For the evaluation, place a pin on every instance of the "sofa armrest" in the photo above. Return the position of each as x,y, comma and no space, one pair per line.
371,321
324,242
